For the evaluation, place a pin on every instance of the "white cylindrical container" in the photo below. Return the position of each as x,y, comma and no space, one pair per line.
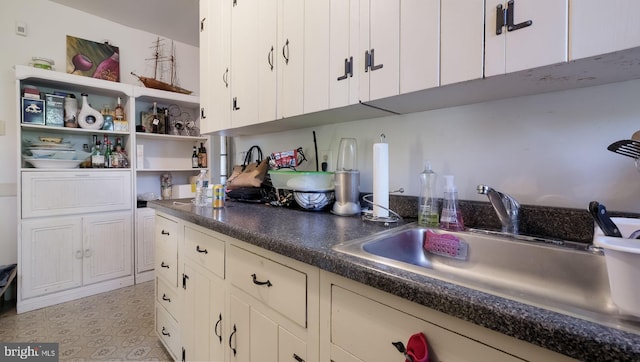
381,180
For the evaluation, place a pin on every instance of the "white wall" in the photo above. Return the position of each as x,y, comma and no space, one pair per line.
548,149
48,24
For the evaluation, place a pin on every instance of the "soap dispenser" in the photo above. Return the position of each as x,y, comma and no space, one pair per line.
427,202
451,218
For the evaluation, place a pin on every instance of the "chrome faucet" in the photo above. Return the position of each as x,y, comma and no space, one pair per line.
506,207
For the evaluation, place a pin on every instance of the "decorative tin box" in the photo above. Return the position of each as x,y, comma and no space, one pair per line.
54,115
33,111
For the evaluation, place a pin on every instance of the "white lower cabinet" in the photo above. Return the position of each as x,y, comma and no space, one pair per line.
68,255
236,302
144,244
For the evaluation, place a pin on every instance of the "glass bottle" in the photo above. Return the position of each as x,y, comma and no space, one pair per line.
201,189
108,118
451,218
97,155
427,202
155,123
202,156
194,158
107,155
118,112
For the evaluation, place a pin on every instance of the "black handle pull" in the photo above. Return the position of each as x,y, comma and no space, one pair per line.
202,116
297,358
286,55
162,264
235,104
201,250
165,333
270,58
230,337
256,282
400,347
510,14
165,298
225,78
164,232
202,24
373,62
500,19
215,328
348,69
367,61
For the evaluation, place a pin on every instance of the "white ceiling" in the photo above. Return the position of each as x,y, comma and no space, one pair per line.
173,19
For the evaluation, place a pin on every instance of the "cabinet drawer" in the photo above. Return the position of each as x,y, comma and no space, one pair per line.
280,287
166,234
205,249
168,297
168,331
166,266
64,193
366,329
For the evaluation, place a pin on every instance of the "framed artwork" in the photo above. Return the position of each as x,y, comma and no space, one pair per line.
91,59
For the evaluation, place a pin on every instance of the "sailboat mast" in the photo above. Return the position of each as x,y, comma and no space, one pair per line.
156,57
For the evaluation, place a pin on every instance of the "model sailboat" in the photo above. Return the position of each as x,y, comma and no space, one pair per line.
154,82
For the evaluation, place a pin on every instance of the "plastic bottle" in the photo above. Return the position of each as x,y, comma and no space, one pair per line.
202,184
451,218
427,202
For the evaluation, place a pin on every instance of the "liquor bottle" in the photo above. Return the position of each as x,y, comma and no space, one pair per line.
108,118
119,111
166,121
107,155
195,158
97,156
202,156
155,123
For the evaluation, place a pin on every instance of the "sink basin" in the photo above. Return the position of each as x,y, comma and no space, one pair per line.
563,276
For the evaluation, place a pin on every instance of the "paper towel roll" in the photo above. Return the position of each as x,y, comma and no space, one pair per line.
380,179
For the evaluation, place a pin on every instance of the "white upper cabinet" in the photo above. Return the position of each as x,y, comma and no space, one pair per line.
290,93
461,41
316,55
419,44
380,49
245,55
215,60
599,27
267,60
535,34
344,53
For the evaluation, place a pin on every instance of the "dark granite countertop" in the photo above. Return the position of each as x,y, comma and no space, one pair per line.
310,236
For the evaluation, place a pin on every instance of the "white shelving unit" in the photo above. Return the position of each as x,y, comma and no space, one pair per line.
77,224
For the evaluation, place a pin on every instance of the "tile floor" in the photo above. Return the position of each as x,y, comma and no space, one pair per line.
113,326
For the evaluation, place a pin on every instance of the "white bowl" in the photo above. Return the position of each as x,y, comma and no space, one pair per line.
52,162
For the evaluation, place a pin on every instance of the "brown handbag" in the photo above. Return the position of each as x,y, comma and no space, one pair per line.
249,174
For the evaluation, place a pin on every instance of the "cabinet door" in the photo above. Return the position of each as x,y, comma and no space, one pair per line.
245,55
201,327
239,329
344,50
291,58
108,247
145,239
263,338
215,59
316,55
588,38
462,40
542,43
290,347
268,60
419,44
51,256
380,36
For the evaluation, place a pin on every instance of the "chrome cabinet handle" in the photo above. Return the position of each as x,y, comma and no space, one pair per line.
270,58
256,282
286,56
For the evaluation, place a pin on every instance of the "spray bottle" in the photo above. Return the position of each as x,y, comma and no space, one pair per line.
427,202
451,218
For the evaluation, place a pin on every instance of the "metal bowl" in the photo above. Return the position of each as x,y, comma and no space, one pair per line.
314,200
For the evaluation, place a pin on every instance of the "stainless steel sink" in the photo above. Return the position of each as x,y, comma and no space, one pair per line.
566,277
